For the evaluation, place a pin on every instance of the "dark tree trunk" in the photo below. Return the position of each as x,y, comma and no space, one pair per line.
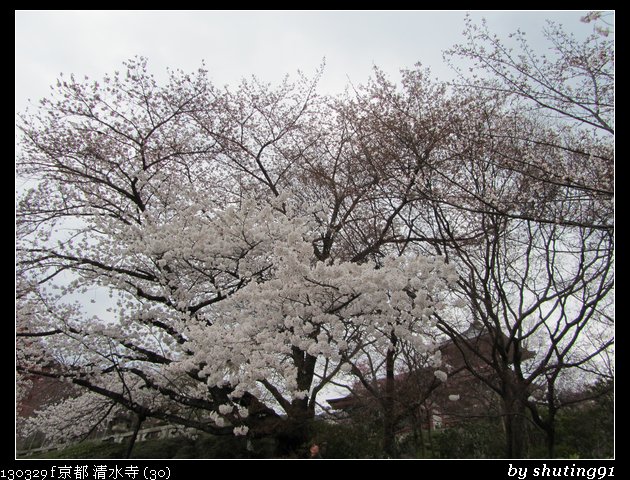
138,421
550,429
295,432
418,437
430,432
389,432
515,428
515,435
551,441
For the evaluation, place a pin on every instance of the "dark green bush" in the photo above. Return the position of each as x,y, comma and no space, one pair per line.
586,432
482,438
160,448
209,446
349,440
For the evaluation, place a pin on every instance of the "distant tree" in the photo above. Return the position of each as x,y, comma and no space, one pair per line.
535,290
558,129
391,389
540,273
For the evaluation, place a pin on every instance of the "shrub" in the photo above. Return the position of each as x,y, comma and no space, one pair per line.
470,439
348,440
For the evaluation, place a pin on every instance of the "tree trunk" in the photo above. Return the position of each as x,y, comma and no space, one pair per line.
418,437
515,428
430,432
293,432
389,432
296,429
551,441
550,429
138,420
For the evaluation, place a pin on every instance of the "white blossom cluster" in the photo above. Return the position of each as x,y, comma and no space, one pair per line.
72,418
275,299
317,308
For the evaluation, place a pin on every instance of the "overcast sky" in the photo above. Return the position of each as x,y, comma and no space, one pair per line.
235,44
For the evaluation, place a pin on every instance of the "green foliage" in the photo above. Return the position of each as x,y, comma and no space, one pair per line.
160,448
347,440
583,430
480,438
209,446
588,430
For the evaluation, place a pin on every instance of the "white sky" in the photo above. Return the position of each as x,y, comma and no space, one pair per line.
235,44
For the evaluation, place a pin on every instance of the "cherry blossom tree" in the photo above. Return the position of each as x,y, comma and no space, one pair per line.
234,300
